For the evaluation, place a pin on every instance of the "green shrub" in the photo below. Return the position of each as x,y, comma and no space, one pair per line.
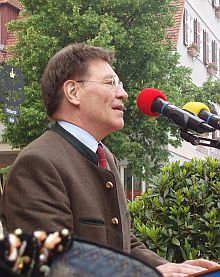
179,215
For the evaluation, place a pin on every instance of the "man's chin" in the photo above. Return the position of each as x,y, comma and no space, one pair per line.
119,126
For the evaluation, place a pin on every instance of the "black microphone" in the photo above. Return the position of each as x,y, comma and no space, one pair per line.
203,112
153,102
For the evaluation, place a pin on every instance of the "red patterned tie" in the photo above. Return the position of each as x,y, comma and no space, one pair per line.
101,156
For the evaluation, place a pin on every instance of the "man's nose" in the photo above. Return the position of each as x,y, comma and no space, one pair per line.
121,93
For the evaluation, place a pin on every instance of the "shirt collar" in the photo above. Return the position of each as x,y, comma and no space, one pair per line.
80,134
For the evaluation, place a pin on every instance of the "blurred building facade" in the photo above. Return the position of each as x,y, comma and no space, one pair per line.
196,36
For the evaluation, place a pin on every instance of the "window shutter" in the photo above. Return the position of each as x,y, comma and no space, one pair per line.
199,36
185,28
204,47
195,31
219,62
214,52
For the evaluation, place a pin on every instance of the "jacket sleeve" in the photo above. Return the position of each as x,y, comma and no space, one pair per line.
35,197
139,251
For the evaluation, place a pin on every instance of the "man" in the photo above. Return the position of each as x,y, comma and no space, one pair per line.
56,182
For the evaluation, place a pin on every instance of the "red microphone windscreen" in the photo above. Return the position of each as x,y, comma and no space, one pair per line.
146,98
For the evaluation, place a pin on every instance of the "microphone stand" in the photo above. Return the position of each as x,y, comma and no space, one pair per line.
196,140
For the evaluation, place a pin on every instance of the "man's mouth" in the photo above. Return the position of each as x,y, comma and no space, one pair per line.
118,107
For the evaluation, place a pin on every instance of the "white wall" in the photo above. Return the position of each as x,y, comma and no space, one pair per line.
203,11
189,151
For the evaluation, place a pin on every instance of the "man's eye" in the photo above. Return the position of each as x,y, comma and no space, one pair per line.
109,82
114,82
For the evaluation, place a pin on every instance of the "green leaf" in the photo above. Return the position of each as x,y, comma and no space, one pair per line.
175,241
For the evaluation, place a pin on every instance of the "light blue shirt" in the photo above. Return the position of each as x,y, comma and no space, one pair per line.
80,134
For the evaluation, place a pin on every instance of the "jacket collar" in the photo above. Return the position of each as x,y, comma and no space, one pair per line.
77,144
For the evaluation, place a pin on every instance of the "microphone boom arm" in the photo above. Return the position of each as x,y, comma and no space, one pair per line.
196,140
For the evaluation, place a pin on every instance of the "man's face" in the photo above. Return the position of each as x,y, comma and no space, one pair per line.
101,103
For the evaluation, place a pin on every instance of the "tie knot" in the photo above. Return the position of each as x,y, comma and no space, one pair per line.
101,156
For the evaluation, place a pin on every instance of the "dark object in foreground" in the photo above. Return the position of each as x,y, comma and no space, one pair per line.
59,254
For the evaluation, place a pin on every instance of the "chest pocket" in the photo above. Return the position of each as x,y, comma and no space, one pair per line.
92,229
91,221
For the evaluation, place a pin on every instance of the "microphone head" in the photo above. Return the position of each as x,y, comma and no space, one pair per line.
195,107
146,98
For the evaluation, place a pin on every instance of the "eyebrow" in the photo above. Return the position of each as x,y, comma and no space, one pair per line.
109,76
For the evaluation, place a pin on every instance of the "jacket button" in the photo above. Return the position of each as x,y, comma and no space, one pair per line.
109,185
115,221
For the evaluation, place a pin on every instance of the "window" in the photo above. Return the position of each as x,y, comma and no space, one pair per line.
188,28
215,3
191,31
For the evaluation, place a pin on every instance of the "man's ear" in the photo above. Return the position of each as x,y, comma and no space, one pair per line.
70,91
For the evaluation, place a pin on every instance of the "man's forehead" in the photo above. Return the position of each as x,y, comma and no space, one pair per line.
101,68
